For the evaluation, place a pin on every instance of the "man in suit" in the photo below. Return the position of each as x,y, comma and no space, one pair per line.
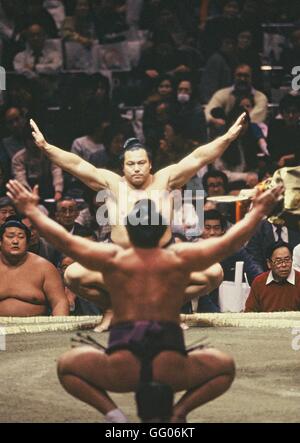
266,234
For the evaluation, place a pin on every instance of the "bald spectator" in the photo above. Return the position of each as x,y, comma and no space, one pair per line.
38,57
66,214
29,284
278,289
225,99
6,209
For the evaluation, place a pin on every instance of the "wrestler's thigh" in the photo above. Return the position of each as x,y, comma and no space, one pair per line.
184,373
118,372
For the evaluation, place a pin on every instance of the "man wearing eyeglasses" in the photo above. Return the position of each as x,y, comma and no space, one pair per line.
278,289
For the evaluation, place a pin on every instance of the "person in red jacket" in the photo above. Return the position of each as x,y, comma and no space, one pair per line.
278,289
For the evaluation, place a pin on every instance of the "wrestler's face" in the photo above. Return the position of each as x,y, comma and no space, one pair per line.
137,167
14,242
5,212
280,263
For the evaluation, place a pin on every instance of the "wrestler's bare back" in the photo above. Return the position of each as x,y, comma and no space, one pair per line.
146,284
21,287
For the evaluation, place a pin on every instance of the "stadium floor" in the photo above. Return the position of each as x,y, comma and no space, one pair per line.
266,389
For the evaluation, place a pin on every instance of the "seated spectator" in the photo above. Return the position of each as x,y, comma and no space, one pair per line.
227,98
30,285
110,18
66,214
81,27
161,58
154,124
11,16
247,54
224,25
38,57
215,225
39,246
164,90
278,289
15,124
215,183
6,209
188,112
291,55
97,123
37,14
78,305
265,235
31,167
57,9
20,94
284,134
87,217
218,71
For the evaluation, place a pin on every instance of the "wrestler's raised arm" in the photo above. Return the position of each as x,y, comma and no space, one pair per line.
205,253
92,255
94,178
183,171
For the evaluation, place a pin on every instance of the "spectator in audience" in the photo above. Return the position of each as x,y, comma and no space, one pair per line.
20,93
227,98
278,289
81,27
39,246
31,167
266,234
43,293
247,54
57,9
110,18
66,214
154,123
189,113
218,70
164,90
37,14
6,209
38,57
291,55
251,19
284,134
97,122
215,225
162,57
15,124
11,15
215,183
221,26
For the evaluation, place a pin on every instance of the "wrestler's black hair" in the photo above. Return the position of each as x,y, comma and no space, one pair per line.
133,144
276,245
15,222
145,226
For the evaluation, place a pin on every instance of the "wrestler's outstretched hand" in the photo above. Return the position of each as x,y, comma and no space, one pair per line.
23,199
237,127
265,202
38,136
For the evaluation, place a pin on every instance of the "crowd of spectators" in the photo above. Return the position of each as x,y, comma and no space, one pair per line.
175,74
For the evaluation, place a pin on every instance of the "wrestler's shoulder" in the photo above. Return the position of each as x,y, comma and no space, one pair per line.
41,262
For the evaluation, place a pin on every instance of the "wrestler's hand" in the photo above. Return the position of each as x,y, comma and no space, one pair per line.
23,199
38,136
237,127
265,202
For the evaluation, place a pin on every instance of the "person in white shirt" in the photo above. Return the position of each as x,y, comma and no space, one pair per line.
38,57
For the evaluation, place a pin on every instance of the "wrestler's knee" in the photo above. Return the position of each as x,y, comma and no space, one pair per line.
223,363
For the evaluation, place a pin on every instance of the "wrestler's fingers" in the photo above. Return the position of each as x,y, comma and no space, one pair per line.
36,190
34,126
